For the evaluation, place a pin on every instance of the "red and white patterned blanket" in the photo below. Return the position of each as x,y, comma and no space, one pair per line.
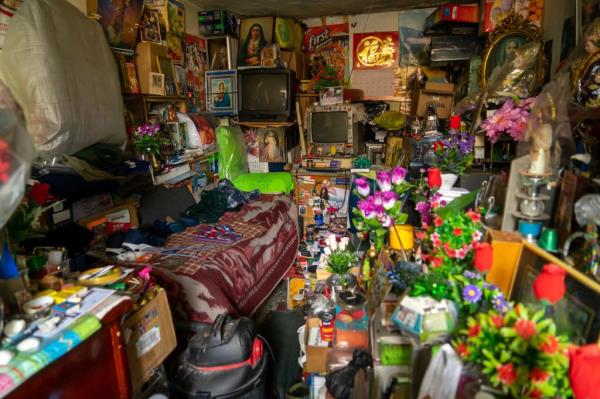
234,278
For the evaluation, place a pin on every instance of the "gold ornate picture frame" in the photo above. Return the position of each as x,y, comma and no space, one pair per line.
513,32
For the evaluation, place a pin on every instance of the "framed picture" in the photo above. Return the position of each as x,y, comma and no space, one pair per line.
271,144
577,314
221,92
120,24
222,52
132,85
513,32
255,34
165,66
331,95
175,135
150,27
180,80
375,50
157,83
176,30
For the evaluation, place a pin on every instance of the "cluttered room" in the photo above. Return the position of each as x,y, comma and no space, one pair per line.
300,199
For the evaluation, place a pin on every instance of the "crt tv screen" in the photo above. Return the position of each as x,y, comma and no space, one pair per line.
266,93
329,127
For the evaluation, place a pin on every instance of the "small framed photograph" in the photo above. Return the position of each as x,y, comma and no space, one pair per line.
222,52
131,81
157,84
577,314
180,80
165,66
221,92
331,95
150,27
255,34
175,135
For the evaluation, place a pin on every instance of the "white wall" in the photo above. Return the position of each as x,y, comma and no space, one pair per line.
191,14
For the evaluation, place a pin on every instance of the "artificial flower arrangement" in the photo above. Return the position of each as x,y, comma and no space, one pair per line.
327,76
148,139
509,119
454,154
519,352
25,221
381,208
426,199
337,257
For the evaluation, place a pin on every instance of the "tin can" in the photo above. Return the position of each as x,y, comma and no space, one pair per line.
326,326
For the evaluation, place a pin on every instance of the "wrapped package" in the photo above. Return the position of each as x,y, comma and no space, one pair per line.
60,69
232,152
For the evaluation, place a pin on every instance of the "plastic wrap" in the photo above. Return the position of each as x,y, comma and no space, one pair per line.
57,64
16,152
232,152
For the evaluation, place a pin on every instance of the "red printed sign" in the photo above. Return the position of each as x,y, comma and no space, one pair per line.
375,50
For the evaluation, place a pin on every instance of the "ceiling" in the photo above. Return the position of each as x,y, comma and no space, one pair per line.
312,8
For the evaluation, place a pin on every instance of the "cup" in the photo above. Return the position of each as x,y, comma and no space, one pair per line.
530,229
549,240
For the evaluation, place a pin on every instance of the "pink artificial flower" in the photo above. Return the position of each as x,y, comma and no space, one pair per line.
384,179
379,211
398,175
367,208
389,199
362,187
378,198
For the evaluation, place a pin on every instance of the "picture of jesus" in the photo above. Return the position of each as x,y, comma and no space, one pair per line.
270,145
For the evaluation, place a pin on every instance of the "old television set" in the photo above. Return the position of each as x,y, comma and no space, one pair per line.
265,94
336,125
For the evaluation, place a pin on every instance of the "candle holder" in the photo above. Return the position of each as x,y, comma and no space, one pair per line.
532,204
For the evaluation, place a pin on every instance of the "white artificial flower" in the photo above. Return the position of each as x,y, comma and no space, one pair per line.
344,243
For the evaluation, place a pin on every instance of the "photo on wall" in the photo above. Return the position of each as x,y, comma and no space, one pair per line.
222,52
120,21
255,34
176,30
221,92
150,27
271,145
165,66
157,83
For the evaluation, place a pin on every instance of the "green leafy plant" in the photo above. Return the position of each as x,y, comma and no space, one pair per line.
340,261
519,352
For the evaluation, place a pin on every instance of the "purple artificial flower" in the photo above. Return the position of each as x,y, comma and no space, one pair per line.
422,207
367,208
470,274
379,211
499,303
362,187
384,179
386,220
389,199
398,175
490,287
471,293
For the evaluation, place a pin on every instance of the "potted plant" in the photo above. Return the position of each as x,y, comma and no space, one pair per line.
381,209
453,156
338,259
148,142
519,353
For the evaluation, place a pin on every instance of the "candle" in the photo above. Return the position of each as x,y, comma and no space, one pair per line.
402,236
538,162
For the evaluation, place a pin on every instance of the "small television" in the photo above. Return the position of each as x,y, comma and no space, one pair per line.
265,94
336,125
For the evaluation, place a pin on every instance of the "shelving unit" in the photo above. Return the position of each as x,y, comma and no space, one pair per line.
138,105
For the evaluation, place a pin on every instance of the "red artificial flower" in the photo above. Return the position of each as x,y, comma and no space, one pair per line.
457,232
549,285
507,374
550,345
437,221
462,349
536,394
483,257
525,329
451,253
474,330
425,226
538,375
436,262
39,193
498,321
438,146
420,235
584,369
474,216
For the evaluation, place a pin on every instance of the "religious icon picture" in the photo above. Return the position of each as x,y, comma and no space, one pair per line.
157,83
150,27
221,92
222,52
255,34
271,145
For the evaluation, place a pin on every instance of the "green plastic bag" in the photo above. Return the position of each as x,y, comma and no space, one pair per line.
391,120
232,152
266,183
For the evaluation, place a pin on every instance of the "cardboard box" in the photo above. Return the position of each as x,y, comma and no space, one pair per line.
450,12
149,338
294,60
442,97
507,250
145,62
316,356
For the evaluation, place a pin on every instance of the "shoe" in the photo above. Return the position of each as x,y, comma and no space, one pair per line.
114,243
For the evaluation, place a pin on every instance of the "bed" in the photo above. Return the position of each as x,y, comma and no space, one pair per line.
204,280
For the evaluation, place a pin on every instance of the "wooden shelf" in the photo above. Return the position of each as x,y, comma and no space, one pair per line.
158,99
307,95
266,124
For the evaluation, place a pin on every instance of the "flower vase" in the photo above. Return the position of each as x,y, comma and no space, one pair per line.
448,181
154,161
338,283
434,178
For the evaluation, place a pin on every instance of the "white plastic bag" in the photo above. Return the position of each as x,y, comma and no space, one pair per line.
192,137
57,64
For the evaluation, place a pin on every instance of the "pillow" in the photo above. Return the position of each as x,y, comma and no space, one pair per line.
266,183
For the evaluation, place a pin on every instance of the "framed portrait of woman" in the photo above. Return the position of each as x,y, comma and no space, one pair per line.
255,34
511,34
221,92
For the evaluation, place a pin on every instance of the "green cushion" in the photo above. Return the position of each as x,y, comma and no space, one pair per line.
266,183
